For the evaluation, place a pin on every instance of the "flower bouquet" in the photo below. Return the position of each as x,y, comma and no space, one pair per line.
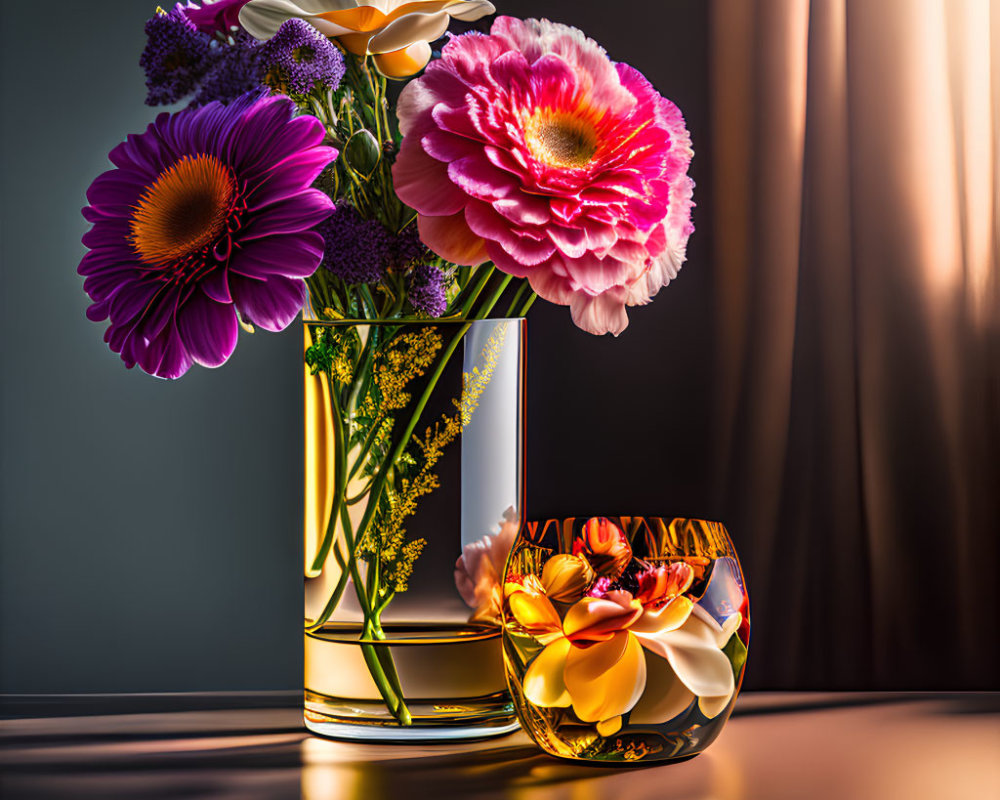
412,203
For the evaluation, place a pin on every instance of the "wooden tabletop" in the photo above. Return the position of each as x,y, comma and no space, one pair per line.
777,745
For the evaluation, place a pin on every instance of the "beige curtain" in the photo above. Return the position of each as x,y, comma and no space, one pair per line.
857,239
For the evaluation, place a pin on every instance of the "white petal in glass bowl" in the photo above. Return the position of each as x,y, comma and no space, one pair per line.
665,696
694,655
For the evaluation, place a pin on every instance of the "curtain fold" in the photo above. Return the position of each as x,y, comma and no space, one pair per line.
858,303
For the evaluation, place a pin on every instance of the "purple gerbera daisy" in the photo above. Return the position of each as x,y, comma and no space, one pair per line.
208,213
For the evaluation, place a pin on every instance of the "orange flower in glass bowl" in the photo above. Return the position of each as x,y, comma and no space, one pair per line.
647,664
605,546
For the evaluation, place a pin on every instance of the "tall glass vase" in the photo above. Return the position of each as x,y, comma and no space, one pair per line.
413,496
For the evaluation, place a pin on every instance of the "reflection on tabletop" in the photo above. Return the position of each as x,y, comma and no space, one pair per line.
777,745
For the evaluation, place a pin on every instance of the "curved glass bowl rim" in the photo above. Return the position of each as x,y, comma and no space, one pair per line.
665,518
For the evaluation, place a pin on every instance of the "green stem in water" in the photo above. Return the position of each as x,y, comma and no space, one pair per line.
332,603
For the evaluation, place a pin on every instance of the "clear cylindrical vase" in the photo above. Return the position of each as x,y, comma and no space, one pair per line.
413,496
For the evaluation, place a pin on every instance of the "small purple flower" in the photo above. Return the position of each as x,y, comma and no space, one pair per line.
236,69
425,289
357,249
298,58
208,213
407,249
215,15
600,588
176,57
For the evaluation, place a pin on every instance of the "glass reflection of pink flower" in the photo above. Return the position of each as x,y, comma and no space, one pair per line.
530,148
479,570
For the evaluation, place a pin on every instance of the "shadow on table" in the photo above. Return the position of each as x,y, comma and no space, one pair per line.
264,753
516,769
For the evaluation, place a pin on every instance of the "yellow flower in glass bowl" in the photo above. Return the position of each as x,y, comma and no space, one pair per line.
396,33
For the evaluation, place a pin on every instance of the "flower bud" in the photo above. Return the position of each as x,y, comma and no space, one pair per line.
566,577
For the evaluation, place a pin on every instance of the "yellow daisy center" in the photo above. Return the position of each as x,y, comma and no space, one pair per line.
560,139
184,210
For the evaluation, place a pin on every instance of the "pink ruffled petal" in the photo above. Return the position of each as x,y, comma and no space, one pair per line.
414,171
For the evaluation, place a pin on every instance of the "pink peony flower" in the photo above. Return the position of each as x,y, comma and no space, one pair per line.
530,148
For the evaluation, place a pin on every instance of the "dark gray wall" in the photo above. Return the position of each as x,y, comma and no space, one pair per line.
150,530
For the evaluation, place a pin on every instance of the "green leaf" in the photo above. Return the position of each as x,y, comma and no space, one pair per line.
736,652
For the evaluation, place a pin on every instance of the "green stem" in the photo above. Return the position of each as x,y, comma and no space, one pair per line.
517,297
392,700
527,305
331,604
482,278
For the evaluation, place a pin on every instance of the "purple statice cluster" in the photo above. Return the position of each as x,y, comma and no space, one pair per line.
407,249
298,58
360,250
176,57
180,60
236,69
425,288
357,249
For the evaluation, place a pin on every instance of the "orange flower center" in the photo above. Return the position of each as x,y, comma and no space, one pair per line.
184,210
560,139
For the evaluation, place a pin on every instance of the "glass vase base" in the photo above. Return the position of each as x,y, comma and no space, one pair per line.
368,721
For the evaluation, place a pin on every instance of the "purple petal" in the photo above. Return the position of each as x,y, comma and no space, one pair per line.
292,255
208,329
216,285
292,175
268,136
291,215
165,356
112,234
130,301
115,192
272,304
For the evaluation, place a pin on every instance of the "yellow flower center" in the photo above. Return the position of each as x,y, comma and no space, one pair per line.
184,210
560,139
